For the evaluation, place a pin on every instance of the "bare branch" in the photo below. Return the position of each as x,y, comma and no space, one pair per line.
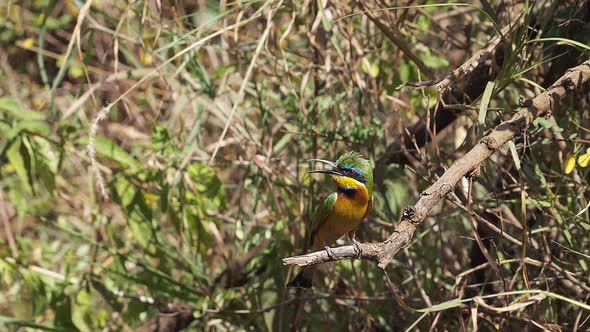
574,80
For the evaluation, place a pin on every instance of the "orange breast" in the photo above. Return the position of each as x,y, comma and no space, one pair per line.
348,212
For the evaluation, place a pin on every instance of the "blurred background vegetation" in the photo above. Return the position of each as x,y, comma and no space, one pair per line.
208,113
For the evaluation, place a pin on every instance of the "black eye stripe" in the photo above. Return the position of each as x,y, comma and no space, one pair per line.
353,173
349,169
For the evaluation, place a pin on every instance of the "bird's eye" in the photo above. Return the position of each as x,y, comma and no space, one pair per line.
350,172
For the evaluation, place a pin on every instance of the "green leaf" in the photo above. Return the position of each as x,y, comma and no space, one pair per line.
125,191
433,61
404,72
370,68
33,159
562,41
442,306
19,159
108,149
139,214
534,202
208,192
485,102
34,126
160,137
45,151
541,121
62,307
47,176
9,105
539,175
10,321
7,132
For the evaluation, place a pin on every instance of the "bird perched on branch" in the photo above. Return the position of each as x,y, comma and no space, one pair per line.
342,211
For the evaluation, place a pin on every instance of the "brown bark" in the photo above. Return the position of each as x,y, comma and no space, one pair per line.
172,318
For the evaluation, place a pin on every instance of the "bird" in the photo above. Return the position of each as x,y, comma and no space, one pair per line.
342,211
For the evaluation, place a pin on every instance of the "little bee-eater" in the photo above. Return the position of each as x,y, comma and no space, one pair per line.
342,211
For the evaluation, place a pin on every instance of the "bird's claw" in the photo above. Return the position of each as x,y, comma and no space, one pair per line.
331,254
357,248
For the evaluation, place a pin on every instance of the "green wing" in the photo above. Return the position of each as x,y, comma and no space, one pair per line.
321,213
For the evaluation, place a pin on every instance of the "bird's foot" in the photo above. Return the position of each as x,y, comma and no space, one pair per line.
357,248
330,252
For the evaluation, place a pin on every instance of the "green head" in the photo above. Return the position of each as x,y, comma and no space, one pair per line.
351,165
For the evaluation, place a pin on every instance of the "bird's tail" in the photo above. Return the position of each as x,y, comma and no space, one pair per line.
303,279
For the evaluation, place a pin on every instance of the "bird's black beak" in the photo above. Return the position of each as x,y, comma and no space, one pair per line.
326,171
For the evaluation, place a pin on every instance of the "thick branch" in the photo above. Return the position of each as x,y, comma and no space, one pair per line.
172,317
573,81
461,86
372,251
